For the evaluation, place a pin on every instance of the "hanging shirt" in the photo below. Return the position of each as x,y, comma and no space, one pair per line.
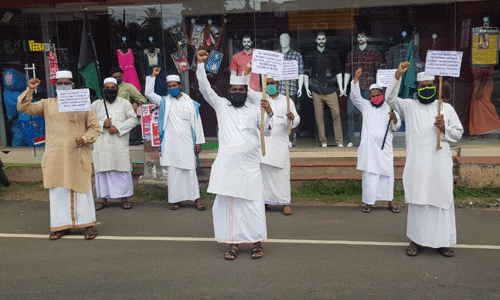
370,60
236,170
428,173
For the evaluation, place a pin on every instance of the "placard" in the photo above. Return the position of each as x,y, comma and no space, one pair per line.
290,70
484,46
443,63
146,117
267,62
73,100
384,76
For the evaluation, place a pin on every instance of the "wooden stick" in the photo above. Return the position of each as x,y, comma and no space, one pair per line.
440,100
262,115
289,122
392,123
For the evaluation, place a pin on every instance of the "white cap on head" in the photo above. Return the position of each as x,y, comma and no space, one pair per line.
375,87
110,79
237,80
64,74
173,78
424,77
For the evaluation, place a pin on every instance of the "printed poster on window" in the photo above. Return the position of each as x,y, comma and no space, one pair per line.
146,117
484,46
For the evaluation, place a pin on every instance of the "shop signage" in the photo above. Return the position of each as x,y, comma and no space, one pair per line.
267,62
36,47
484,46
443,63
74,100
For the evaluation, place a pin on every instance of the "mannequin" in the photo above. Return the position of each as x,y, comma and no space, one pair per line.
370,60
241,59
323,77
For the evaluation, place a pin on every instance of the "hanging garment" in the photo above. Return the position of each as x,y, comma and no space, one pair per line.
156,60
126,62
54,66
483,116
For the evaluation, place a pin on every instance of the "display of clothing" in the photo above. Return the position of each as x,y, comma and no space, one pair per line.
398,54
54,66
293,84
154,59
126,62
483,116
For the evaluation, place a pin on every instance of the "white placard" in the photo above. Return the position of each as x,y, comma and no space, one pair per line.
443,63
290,70
267,62
384,77
73,100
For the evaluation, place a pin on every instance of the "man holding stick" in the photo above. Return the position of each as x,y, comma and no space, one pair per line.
238,211
428,174
275,165
66,164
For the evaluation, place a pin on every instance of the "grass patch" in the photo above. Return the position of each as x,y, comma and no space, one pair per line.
149,193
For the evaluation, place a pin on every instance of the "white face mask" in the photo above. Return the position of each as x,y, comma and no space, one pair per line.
321,40
247,43
63,87
362,39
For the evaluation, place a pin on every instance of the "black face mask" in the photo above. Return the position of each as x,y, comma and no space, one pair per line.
426,95
110,95
237,99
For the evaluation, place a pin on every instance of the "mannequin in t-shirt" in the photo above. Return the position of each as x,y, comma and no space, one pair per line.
241,59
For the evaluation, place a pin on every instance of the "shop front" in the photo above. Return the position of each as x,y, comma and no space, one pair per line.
38,39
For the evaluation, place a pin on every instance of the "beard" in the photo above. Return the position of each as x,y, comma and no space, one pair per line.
247,47
321,44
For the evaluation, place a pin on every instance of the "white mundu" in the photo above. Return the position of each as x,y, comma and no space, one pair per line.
428,174
180,120
238,212
275,165
376,164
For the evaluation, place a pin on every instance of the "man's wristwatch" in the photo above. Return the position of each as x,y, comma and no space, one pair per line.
271,114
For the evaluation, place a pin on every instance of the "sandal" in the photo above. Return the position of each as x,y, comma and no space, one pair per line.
126,204
393,208
413,249
199,205
175,206
446,252
257,252
58,234
232,252
90,233
101,203
367,209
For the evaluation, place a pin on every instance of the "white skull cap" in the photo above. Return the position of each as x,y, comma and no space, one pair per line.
64,74
375,87
424,77
110,79
237,80
173,78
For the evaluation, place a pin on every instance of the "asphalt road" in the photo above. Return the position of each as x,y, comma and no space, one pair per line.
344,264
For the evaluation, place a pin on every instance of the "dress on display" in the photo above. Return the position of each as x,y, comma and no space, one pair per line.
483,116
126,62
154,59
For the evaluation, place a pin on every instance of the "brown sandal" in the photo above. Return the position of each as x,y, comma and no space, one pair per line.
90,233
446,252
393,208
257,252
232,252
175,206
126,204
58,234
199,205
367,208
413,249
101,203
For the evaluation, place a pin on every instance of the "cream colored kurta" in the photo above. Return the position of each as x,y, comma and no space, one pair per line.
63,164
111,151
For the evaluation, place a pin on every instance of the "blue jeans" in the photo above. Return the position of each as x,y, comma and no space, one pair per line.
351,110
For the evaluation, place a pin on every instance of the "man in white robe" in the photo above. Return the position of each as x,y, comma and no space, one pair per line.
275,165
181,136
238,213
113,170
66,166
428,173
375,162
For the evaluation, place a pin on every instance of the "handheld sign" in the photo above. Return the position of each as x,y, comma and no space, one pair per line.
384,77
73,100
442,63
267,62
290,72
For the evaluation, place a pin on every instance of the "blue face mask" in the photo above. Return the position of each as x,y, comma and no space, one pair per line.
63,87
272,89
174,92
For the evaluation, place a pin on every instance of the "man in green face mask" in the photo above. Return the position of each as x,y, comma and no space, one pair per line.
428,173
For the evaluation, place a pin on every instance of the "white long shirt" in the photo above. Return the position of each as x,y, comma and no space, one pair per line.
236,170
277,151
177,147
111,151
371,157
428,173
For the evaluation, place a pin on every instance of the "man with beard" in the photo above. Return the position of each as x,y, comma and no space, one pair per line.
323,77
238,211
375,158
428,174
181,136
370,60
66,164
113,170
241,59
